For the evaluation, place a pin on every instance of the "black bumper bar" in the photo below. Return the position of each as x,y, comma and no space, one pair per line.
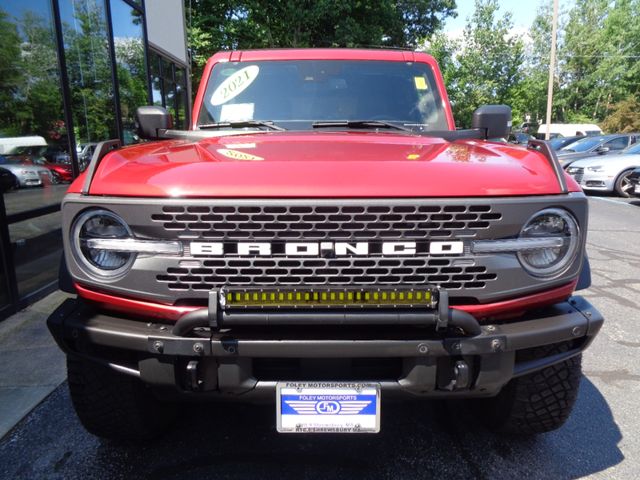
81,330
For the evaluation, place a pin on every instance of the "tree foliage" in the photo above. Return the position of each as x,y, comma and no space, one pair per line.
598,67
486,51
624,117
30,99
232,24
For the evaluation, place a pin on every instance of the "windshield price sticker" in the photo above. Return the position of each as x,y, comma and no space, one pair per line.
421,83
236,112
235,85
328,407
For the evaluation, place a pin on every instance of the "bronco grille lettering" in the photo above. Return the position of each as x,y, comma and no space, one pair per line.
326,249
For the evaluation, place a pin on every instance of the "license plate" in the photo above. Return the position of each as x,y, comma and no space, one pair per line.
637,188
328,407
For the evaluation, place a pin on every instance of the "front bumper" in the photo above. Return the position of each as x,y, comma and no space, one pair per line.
246,363
597,182
30,180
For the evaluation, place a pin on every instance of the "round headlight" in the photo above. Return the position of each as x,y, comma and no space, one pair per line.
101,224
550,261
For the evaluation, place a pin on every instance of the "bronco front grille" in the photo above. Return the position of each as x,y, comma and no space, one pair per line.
373,221
469,277
319,222
326,271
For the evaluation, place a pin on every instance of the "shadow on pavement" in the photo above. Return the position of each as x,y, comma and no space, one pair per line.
418,440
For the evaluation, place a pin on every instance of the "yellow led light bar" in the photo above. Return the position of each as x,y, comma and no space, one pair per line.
419,297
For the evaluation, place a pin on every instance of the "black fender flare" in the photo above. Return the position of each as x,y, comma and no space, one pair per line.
584,280
65,282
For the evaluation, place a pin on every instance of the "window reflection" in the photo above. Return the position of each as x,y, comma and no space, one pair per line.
129,52
31,111
35,164
84,31
37,245
169,88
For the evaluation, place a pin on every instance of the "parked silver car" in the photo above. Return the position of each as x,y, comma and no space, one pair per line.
26,175
608,173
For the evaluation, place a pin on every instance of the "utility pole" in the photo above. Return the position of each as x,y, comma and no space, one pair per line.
552,64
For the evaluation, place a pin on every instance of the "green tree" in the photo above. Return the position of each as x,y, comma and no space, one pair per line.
89,71
222,25
624,117
30,99
11,76
484,67
529,97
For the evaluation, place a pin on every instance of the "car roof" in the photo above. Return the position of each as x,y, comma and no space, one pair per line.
321,54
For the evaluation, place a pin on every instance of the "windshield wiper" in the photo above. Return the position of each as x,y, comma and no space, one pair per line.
243,124
360,124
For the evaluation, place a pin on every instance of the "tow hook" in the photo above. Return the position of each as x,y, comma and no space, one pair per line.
193,383
461,377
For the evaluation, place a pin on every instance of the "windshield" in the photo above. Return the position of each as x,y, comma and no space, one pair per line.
556,143
31,150
10,161
582,145
295,94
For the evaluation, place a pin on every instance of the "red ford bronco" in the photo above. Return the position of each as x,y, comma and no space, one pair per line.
322,237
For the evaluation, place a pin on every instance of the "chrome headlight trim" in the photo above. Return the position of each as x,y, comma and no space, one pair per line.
133,245
567,259
76,246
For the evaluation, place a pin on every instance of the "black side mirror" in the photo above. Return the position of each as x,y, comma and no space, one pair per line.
495,120
151,119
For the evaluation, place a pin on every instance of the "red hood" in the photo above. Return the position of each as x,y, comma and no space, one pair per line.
323,164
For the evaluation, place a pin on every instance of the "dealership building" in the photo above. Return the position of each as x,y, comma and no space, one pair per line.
72,73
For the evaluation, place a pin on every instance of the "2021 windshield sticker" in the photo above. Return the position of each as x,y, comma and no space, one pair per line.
234,85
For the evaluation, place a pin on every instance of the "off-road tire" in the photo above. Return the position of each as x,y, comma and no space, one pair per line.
115,406
538,402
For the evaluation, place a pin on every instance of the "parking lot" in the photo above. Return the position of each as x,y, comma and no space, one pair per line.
419,440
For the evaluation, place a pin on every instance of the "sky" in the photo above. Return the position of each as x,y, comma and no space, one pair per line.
523,13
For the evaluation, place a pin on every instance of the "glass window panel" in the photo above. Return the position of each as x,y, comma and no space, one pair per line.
617,143
34,152
156,79
167,70
37,248
170,98
132,77
84,30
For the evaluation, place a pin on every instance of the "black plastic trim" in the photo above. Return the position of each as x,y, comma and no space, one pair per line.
544,148
101,150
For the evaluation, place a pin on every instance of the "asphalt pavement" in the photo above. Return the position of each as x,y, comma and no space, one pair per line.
418,440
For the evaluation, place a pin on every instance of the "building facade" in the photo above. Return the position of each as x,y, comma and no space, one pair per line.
72,73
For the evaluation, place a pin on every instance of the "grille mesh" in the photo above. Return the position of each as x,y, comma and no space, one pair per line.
326,271
326,221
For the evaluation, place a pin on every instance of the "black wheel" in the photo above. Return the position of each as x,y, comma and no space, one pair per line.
55,178
113,405
623,185
535,403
